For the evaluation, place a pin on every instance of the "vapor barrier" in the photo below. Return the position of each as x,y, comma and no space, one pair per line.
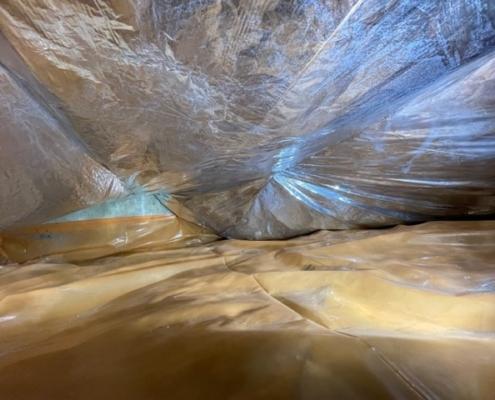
397,313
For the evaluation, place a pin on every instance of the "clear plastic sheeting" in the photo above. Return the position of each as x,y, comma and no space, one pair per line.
43,171
271,118
398,313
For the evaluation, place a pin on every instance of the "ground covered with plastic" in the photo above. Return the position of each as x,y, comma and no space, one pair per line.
406,312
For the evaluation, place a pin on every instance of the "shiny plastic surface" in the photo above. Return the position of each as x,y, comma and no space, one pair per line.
401,313
135,223
271,118
95,238
44,171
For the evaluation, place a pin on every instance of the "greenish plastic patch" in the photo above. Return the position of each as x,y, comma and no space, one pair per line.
135,205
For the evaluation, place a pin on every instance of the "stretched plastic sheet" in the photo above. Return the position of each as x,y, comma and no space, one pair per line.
263,118
401,313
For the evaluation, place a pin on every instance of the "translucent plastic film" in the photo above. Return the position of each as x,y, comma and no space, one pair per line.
137,223
384,314
44,171
262,118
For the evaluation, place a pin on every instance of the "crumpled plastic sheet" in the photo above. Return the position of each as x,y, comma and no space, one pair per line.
402,313
267,118
44,172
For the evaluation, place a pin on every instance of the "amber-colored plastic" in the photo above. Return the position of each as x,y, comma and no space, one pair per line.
90,239
407,312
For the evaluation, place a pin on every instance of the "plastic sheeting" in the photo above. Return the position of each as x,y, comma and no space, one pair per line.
94,238
263,118
138,222
44,172
397,313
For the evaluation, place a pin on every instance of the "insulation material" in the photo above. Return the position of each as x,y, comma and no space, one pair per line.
398,313
270,118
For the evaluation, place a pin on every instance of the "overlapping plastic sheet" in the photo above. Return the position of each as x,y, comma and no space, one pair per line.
138,222
399,313
262,118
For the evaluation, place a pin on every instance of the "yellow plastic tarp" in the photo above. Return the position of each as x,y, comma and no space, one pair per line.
406,312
